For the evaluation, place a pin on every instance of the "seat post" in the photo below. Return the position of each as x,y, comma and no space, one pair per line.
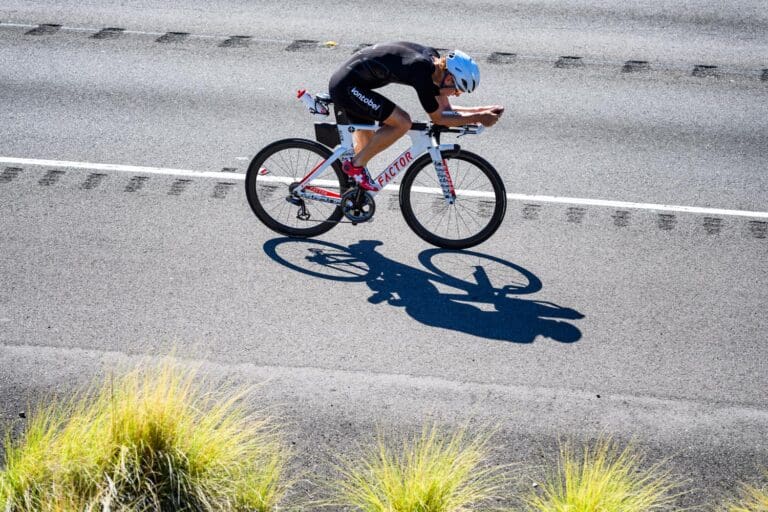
341,116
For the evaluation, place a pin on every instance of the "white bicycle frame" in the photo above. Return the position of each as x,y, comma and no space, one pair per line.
421,141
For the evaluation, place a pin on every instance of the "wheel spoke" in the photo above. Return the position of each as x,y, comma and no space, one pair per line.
292,160
466,222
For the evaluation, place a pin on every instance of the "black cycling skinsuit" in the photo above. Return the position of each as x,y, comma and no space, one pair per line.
376,66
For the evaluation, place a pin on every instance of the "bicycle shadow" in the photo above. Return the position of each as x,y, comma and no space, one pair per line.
466,298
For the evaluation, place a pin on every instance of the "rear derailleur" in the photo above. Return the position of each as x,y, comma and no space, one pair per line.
302,214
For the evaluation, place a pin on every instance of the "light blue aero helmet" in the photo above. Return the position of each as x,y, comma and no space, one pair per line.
464,69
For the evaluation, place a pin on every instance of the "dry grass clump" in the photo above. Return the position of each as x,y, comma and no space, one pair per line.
752,499
604,479
435,472
150,440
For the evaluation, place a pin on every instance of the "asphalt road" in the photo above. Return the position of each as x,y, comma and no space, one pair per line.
641,323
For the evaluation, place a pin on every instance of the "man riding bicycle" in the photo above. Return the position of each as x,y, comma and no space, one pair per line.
434,77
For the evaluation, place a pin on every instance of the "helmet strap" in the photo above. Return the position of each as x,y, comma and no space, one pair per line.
445,76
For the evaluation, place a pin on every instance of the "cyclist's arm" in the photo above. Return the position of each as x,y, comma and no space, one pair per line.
447,115
476,110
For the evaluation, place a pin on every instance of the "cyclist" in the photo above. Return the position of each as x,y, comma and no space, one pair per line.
434,77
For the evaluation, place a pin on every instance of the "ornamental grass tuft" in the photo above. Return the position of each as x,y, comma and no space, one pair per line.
149,440
752,499
435,472
604,478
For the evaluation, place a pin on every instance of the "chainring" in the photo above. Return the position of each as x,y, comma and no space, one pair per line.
358,205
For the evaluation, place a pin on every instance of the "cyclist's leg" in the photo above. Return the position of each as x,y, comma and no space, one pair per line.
392,128
361,139
364,106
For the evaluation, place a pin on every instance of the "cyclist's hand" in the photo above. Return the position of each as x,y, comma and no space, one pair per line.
488,119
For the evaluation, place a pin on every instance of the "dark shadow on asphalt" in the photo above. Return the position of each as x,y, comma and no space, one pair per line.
463,291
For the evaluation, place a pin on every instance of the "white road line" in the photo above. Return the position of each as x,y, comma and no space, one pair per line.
18,25
120,168
513,197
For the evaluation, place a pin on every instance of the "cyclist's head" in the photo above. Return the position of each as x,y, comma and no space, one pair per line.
464,69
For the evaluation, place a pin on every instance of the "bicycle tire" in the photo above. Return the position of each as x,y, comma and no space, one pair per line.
497,195
270,174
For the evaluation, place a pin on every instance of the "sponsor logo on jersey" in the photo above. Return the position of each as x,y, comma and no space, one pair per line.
364,99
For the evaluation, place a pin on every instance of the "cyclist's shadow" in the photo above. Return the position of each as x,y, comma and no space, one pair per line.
474,295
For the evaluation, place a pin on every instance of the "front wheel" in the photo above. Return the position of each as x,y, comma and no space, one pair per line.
476,213
274,172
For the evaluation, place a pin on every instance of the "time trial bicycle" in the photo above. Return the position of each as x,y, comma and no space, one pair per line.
448,196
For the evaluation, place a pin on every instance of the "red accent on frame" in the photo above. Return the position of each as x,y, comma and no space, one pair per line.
323,192
304,179
450,181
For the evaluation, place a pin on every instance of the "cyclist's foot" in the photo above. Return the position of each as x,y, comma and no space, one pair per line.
359,174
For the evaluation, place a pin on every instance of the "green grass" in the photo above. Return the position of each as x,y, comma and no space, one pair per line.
153,439
752,499
436,472
603,478
149,440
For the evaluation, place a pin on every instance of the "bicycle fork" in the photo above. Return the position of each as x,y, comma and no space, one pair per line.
443,174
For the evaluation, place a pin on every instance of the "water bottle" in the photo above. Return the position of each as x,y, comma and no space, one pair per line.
312,104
